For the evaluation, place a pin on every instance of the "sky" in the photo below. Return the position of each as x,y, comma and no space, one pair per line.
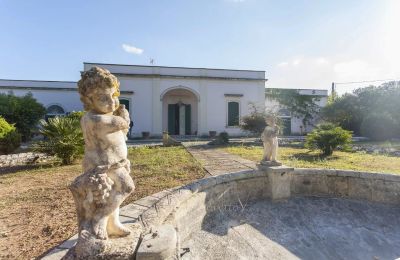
299,43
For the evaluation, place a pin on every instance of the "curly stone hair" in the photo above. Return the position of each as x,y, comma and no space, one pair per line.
93,79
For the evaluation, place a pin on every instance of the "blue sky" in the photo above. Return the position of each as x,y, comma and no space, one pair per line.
300,44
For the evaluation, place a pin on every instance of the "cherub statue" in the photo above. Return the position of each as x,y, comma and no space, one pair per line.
106,182
270,140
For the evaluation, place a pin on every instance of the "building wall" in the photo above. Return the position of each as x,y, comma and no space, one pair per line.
147,108
68,100
297,126
212,87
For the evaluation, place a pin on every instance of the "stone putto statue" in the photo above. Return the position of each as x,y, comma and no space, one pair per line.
105,182
270,141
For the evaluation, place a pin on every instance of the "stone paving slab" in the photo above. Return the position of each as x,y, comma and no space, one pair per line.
217,162
300,228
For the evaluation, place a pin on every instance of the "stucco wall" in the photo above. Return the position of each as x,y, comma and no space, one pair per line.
149,83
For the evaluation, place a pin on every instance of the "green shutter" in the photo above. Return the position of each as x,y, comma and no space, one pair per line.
287,126
188,121
171,119
233,113
125,102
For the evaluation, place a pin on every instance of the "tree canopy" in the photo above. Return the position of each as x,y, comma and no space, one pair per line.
366,107
25,112
301,106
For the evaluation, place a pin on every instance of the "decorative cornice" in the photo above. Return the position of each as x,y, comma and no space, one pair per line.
52,89
183,77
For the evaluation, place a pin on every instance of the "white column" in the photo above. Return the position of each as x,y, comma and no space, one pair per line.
156,108
202,127
182,120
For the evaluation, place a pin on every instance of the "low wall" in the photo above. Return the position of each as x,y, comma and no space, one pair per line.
351,184
232,191
186,207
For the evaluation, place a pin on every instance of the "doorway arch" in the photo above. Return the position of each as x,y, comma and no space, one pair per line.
180,111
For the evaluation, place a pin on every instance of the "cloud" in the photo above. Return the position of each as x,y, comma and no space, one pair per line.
132,49
320,72
283,64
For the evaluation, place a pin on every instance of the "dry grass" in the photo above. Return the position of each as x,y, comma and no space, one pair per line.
37,211
302,158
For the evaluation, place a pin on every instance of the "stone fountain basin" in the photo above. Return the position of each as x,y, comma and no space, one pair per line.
330,214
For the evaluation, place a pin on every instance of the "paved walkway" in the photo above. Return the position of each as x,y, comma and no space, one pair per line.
217,162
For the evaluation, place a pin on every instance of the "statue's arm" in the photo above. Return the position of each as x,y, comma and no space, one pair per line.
111,123
122,112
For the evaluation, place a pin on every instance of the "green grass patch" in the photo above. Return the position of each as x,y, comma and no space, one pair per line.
158,168
303,158
36,198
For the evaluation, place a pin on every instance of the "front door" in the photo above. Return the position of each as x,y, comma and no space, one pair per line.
286,126
179,119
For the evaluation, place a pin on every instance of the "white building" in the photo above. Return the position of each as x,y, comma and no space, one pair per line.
184,101
292,125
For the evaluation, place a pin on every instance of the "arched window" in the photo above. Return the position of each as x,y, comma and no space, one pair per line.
54,110
284,113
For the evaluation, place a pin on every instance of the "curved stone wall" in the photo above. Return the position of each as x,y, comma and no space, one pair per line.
185,207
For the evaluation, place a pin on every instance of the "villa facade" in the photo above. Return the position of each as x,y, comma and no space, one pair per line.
182,101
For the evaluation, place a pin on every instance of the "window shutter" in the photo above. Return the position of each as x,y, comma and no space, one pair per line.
233,113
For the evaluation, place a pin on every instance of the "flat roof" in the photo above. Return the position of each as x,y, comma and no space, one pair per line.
36,80
172,67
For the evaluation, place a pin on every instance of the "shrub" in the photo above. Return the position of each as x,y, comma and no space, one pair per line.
379,127
76,115
10,139
327,137
64,138
223,137
25,112
253,122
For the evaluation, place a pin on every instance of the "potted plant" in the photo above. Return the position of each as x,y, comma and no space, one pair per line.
145,135
212,133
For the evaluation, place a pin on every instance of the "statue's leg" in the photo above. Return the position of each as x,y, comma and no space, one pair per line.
268,151
115,227
274,149
99,225
124,186
265,152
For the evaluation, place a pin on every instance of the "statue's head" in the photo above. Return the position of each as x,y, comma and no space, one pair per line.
99,90
270,119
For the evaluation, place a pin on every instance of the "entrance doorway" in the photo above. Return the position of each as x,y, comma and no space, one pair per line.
179,119
180,112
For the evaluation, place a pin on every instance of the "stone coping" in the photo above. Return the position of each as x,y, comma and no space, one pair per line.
161,207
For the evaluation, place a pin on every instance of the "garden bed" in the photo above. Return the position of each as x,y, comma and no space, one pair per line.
37,210
303,158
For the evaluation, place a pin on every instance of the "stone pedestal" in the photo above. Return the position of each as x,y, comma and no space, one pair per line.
279,179
159,244
121,248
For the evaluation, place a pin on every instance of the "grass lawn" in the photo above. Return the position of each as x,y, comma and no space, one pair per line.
37,210
303,158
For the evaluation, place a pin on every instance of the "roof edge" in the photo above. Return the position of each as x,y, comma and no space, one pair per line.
176,67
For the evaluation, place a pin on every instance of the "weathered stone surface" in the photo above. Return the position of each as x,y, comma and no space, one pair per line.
269,138
55,254
159,244
300,228
169,141
120,248
23,159
279,180
105,182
